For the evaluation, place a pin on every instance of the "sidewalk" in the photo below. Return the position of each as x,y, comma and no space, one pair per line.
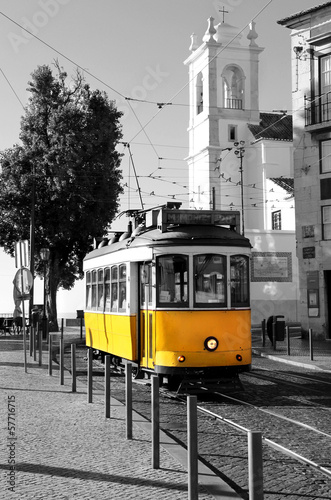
299,354
55,445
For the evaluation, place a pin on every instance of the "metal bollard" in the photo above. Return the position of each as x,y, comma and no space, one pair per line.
263,332
155,423
255,465
287,328
61,360
35,340
107,386
73,368
50,346
40,339
274,335
89,375
128,399
192,442
311,348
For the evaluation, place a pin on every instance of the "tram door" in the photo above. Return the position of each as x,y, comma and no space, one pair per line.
146,315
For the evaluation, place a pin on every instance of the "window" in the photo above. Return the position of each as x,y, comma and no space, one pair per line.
107,289
114,288
209,280
239,281
100,290
146,283
88,290
199,94
233,87
276,220
325,186
122,287
94,290
325,84
172,275
232,133
325,156
326,222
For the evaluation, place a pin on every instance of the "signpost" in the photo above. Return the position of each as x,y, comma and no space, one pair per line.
23,283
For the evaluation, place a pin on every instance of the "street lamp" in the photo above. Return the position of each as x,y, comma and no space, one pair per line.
44,255
239,152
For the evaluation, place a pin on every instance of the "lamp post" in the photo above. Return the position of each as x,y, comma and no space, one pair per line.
44,255
239,152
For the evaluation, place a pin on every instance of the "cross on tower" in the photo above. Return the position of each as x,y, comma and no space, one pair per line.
223,11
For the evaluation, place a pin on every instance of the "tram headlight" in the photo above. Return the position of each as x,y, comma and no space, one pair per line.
211,344
181,359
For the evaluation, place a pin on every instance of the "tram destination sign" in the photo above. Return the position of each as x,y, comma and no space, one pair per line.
198,217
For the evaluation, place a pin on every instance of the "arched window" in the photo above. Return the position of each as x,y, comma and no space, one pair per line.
233,87
199,94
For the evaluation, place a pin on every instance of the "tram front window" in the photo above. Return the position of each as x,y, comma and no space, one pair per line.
209,280
172,274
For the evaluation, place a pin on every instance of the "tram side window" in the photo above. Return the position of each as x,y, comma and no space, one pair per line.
94,290
239,281
107,289
172,274
88,291
122,288
114,288
100,290
209,280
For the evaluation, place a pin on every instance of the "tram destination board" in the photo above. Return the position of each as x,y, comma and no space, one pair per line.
201,217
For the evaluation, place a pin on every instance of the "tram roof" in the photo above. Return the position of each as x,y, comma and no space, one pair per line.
176,235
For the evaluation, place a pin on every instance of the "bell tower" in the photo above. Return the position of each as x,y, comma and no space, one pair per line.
224,98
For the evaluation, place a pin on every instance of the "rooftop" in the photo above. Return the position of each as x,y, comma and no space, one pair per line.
273,126
304,12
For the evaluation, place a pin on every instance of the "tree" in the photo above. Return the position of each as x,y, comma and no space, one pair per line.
67,157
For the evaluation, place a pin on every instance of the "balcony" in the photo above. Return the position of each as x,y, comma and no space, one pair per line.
233,104
318,111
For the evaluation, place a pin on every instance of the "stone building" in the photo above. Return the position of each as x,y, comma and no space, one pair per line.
311,90
241,159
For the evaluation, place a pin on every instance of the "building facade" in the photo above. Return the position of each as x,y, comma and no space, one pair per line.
311,90
241,159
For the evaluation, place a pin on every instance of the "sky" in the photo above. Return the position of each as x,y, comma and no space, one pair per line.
134,50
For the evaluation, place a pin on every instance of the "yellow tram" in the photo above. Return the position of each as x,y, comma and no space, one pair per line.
172,297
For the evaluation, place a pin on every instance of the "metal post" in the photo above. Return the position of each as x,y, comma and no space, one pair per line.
32,341
128,399
35,340
40,347
255,465
192,441
107,386
89,375
287,328
155,423
274,335
263,332
61,361
81,328
73,367
311,349
50,346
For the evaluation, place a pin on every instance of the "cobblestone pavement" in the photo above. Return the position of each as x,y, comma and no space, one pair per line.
54,445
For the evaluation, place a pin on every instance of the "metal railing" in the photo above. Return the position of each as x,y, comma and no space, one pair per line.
318,110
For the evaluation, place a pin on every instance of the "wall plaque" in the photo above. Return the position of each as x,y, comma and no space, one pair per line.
308,253
271,266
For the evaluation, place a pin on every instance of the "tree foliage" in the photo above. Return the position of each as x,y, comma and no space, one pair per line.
67,156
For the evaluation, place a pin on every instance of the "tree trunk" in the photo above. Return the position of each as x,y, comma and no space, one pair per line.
51,296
